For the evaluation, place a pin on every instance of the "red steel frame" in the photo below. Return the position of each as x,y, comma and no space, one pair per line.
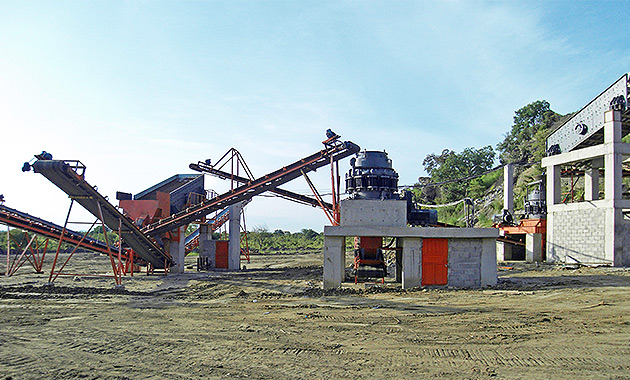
33,257
121,263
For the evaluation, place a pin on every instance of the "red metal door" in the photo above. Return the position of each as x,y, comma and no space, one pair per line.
434,261
221,254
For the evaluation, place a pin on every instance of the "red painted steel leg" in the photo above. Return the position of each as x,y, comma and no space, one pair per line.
63,232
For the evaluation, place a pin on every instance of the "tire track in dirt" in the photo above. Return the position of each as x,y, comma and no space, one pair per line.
523,357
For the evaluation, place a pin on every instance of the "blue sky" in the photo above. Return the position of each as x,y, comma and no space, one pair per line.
137,90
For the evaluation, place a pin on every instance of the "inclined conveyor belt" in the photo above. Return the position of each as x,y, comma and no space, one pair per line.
286,194
61,174
332,153
17,219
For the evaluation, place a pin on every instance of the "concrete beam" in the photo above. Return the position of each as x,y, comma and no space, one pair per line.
586,154
412,232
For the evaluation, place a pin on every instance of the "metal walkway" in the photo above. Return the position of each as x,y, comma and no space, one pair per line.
69,177
332,153
17,219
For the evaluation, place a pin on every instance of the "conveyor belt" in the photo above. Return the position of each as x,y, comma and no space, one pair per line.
72,183
286,194
270,181
17,219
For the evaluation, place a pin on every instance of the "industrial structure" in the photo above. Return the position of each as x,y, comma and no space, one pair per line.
460,257
561,223
593,229
151,225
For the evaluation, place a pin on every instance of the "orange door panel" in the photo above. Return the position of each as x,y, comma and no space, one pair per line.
434,261
221,254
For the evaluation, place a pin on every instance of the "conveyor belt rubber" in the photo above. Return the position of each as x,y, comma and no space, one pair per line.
63,176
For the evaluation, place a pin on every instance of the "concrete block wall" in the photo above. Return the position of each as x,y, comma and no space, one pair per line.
578,234
623,230
464,262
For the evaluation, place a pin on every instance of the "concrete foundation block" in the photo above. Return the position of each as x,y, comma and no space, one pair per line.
533,247
334,261
373,213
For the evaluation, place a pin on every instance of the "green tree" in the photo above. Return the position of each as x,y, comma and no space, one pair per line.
525,141
450,165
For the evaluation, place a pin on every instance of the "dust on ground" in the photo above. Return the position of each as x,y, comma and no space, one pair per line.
274,321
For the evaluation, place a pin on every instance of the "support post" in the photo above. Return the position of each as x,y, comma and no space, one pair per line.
6,272
503,251
508,188
177,249
207,248
488,262
234,250
554,185
533,247
591,181
399,260
334,261
411,262
612,189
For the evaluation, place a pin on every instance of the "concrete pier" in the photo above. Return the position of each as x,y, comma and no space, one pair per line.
234,227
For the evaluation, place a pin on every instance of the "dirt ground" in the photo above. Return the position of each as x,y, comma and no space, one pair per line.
273,321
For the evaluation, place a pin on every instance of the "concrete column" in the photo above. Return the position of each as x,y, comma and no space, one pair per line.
503,251
533,247
488,262
399,260
612,176
554,185
411,262
207,248
591,182
612,126
234,227
334,261
508,188
177,249
552,256
613,248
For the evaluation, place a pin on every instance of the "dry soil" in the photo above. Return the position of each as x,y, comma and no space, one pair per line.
273,321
